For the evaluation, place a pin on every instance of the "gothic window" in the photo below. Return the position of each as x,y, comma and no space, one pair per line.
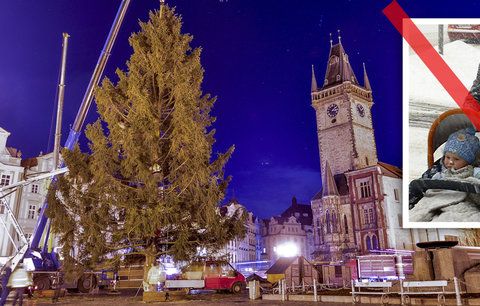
375,242
5,180
365,216
334,222
370,215
368,243
327,219
365,190
345,223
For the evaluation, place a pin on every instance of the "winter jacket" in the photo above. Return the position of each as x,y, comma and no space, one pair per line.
20,278
156,275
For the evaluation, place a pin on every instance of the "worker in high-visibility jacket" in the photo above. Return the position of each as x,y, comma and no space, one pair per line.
20,280
156,277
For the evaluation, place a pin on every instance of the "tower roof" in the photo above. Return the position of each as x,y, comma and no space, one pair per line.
338,67
314,81
366,81
329,185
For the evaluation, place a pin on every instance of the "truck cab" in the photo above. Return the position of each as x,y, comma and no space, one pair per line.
220,275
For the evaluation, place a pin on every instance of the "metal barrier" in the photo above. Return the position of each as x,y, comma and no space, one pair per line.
384,286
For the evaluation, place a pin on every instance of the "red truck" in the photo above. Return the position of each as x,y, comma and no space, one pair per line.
209,275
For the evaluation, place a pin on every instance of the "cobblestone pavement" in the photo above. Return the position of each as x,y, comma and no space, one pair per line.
128,298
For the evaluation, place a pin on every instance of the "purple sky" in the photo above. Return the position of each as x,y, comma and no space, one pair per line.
257,56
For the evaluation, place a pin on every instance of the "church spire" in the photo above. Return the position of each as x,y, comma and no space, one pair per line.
314,81
339,69
366,81
329,185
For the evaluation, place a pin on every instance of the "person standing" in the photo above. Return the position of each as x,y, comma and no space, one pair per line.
19,280
156,277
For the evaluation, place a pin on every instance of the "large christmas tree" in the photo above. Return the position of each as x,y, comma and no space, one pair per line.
150,183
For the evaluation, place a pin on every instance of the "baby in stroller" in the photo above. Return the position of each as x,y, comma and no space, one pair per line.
460,153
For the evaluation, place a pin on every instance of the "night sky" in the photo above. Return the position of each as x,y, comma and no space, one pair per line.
257,56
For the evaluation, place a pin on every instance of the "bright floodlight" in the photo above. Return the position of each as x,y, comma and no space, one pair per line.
287,249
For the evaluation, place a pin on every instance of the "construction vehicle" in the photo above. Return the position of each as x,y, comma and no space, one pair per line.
44,262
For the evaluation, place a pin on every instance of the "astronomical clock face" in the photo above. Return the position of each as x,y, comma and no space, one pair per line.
360,110
332,110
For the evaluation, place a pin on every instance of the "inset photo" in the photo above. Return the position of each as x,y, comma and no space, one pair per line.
441,147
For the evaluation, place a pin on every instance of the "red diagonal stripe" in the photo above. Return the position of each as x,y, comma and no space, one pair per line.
433,61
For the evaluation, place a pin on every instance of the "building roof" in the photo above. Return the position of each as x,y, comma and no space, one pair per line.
339,69
281,265
366,81
14,152
301,210
341,184
390,170
329,185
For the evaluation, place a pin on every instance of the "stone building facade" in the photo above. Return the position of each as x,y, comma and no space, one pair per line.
11,172
242,249
293,226
25,202
359,206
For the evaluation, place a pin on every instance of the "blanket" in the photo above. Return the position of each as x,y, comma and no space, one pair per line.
448,205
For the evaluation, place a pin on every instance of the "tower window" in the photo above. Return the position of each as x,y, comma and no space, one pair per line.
365,216
328,222
370,214
345,223
369,243
365,190
338,77
375,242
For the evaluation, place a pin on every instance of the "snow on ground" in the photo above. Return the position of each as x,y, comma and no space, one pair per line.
428,98
462,58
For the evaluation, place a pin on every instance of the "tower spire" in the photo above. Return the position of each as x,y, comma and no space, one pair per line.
366,81
329,187
331,40
339,37
314,81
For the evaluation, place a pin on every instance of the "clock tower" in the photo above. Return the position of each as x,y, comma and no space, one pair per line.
343,111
